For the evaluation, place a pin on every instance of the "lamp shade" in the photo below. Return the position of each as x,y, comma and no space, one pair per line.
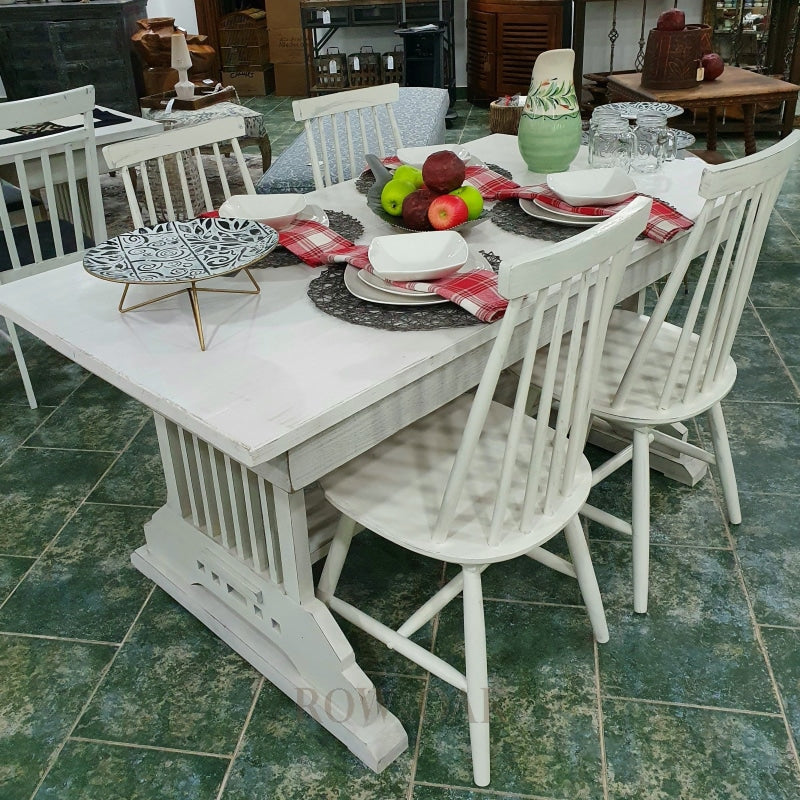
181,59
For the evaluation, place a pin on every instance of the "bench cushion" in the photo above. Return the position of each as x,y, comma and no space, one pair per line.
420,114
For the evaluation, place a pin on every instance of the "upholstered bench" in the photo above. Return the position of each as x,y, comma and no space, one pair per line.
420,113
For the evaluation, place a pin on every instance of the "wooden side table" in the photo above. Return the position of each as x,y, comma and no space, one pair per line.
734,87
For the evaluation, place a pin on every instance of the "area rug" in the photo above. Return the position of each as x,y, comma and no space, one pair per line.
115,203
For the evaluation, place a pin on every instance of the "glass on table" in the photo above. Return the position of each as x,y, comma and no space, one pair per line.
655,143
612,143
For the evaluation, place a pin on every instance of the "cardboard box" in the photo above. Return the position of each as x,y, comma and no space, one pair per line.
250,82
290,80
283,13
286,45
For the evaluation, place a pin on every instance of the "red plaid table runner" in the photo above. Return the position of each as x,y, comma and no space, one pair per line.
664,221
474,291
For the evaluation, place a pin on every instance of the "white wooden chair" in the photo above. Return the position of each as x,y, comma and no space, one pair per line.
655,372
476,482
171,172
62,167
342,127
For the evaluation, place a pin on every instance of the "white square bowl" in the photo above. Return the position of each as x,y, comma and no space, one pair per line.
275,210
426,255
592,187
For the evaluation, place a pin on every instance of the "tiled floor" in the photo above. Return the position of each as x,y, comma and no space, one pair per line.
110,691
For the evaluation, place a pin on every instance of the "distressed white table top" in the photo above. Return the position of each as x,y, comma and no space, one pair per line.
277,371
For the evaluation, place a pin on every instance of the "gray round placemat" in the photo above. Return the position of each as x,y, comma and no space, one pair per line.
329,294
366,180
344,224
510,217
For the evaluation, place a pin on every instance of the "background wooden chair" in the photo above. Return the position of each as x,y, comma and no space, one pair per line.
674,364
476,482
62,168
342,127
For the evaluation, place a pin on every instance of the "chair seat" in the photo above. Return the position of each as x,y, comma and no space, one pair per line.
642,406
45,233
396,488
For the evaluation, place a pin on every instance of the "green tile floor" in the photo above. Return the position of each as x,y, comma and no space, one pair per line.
110,691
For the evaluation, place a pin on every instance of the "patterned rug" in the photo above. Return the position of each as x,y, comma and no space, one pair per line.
118,215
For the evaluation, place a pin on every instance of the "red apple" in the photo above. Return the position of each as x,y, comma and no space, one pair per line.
712,65
447,211
443,171
672,20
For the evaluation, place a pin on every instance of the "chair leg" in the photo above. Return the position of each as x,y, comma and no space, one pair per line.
23,367
477,674
587,580
727,475
334,562
640,518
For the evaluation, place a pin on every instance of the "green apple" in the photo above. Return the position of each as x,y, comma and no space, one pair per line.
405,172
393,194
472,197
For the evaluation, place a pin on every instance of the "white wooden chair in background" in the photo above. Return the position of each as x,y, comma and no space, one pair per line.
343,126
62,167
476,482
656,372
171,172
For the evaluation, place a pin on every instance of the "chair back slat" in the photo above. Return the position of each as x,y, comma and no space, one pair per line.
173,177
343,127
549,295
739,199
58,178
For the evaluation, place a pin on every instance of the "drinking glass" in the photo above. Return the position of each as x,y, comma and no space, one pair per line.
612,143
655,143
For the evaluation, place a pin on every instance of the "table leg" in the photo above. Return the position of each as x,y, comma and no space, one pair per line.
787,123
233,549
749,111
711,130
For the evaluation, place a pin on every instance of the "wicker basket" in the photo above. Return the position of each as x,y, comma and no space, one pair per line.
330,70
244,39
364,67
393,65
504,119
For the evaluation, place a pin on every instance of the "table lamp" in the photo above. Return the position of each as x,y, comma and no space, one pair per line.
182,61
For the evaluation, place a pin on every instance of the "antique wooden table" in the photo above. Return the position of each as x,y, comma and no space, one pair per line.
734,87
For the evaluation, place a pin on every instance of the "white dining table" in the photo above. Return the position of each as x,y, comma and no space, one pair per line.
283,394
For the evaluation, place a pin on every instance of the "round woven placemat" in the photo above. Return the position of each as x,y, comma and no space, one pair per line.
329,294
508,215
344,224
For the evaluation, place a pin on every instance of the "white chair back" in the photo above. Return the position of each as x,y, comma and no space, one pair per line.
62,168
740,196
170,170
346,125
572,280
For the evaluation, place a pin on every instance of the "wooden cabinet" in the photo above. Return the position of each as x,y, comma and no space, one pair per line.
50,47
503,40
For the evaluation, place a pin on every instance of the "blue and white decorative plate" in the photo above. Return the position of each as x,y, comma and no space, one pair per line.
174,252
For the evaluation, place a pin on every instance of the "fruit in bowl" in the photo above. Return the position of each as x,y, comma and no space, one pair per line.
405,172
393,194
443,171
447,211
415,209
472,197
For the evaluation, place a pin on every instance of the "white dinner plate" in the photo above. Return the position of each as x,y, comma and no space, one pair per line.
385,286
567,216
547,214
363,291
415,156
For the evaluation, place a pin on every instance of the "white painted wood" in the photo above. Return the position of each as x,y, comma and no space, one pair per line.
167,164
321,116
290,407
475,482
656,373
61,239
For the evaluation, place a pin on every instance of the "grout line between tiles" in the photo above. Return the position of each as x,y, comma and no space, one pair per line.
70,639
136,746
490,792
699,706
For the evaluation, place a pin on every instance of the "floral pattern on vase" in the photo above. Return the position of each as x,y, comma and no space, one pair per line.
550,127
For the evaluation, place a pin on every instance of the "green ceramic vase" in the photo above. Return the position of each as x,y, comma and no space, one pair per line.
550,125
